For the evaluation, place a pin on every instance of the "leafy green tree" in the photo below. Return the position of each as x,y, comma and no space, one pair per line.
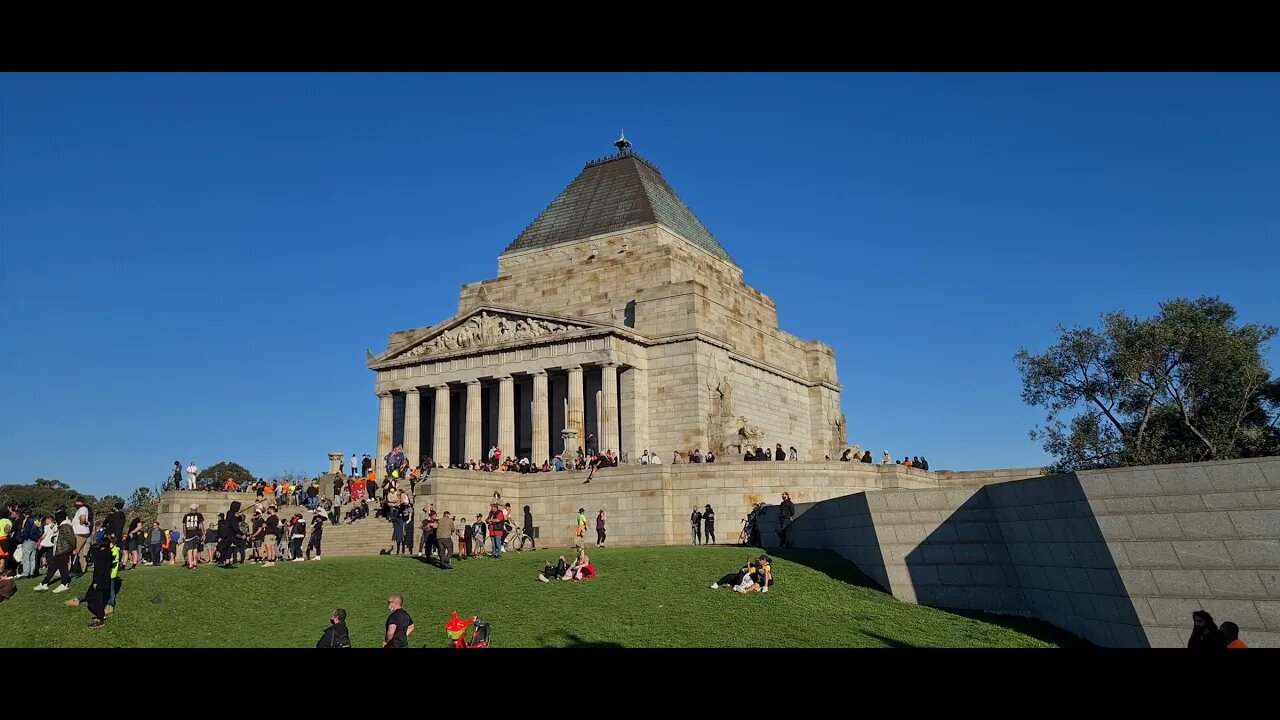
145,503
1186,385
43,496
218,474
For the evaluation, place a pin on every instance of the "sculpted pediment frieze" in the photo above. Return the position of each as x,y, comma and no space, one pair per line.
486,328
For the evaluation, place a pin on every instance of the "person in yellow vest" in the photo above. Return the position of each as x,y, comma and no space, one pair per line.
581,530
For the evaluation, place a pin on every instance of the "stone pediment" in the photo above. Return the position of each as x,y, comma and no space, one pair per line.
480,329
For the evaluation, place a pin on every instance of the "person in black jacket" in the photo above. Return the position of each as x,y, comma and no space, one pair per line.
101,587
786,511
1205,634
336,635
778,453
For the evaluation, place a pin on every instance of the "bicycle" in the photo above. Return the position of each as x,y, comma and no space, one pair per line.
517,539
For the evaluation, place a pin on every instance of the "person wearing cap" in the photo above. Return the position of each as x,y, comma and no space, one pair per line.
193,532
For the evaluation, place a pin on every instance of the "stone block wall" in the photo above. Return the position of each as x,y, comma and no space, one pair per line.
1120,557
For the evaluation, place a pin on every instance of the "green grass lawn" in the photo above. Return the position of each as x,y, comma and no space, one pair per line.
643,597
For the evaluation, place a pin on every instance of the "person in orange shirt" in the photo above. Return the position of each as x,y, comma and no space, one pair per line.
1231,633
270,490
229,485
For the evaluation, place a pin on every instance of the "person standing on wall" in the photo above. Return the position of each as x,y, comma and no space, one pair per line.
192,472
786,512
709,525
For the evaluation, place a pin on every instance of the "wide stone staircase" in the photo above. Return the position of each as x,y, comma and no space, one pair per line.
364,537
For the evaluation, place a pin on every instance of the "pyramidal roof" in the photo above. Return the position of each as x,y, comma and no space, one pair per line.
612,194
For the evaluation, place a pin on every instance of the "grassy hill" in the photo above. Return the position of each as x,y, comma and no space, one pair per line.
643,597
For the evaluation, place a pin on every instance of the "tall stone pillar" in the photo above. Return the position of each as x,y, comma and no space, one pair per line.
471,436
440,445
575,421
413,427
386,416
507,416
635,412
541,418
609,409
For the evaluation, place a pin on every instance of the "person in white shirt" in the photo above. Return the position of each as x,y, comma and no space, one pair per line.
192,471
644,458
355,465
81,527
654,459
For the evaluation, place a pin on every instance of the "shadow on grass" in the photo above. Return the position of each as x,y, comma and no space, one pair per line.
574,641
888,641
1031,627
827,562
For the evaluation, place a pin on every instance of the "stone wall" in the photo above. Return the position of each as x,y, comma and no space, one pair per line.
1120,557
650,505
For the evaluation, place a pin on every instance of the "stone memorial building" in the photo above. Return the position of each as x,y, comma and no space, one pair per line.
617,314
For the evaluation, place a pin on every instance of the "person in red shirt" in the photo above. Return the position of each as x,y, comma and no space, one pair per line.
497,528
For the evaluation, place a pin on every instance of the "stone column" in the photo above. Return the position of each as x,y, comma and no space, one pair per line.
507,416
541,418
440,445
385,418
413,426
575,421
335,463
635,412
609,409
471,435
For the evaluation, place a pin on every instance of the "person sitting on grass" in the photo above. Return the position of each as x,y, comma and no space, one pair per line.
756,574
581,569
8,588
551,572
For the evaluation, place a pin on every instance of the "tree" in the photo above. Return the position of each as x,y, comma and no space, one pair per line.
145,503
43,496
1187,385
218,474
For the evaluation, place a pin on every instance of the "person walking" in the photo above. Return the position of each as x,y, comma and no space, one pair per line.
528,527
82,525
580,531
786,512
399,624
444,538
100,590
709,525
297,532
64,539
600,529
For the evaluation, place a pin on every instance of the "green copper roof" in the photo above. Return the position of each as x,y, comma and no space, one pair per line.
612,194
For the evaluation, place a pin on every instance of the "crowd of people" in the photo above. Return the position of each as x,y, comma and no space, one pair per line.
856,454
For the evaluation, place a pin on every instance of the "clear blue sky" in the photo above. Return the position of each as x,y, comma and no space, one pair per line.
193,265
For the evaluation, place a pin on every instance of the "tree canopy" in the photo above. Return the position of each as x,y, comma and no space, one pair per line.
45,496
218,474
1186,385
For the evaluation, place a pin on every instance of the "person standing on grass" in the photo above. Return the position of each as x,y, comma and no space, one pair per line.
336,635
82,522
600,529
444,537
156,542
48,536
496,533
399,624
100,590
63,549
528,527
709,525
317,532
580,529
695,524
271,536
297,533
193,532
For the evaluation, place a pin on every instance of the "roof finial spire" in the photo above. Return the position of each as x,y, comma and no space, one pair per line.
623,145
